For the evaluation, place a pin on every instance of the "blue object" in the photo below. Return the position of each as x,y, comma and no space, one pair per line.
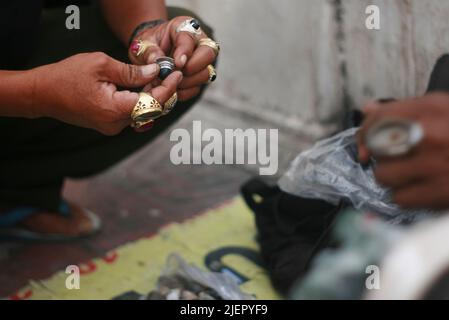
14,217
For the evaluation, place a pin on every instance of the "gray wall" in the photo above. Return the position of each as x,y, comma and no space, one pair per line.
282,59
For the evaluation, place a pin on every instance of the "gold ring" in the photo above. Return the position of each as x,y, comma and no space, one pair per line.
212,73
139,47
146,109
170,104
208,42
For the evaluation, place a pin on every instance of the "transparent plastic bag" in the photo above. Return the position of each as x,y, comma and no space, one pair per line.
329,171
223,284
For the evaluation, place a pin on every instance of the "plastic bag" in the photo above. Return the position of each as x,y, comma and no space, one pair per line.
223,284
329,171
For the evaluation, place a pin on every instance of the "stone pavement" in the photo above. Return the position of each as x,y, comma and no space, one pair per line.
138,197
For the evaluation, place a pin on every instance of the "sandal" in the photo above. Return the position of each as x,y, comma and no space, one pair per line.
32,224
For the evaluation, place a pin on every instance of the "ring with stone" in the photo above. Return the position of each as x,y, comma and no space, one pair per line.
208,42
170,104
146,109
212,73
138,47
191,26
394,137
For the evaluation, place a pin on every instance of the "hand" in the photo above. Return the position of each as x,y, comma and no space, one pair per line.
419,179
191,59
82,90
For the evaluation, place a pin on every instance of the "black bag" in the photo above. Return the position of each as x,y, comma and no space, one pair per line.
291,230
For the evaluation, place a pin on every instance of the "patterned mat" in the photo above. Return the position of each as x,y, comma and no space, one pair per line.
219,235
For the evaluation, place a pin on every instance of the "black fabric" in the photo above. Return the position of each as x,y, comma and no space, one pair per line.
37,155
65,3
439,79
291,230
19,21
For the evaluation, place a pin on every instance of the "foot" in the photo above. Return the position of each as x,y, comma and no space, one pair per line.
79,223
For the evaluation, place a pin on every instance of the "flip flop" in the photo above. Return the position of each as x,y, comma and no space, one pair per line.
9,221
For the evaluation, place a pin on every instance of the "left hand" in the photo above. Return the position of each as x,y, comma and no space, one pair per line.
419,179
190,58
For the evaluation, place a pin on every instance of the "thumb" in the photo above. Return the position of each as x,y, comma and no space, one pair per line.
131,76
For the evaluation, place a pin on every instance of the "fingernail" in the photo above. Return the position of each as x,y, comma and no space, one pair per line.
180,76
150,70
183,60
152,58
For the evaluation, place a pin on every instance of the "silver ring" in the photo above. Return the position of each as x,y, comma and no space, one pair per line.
394,137
191,26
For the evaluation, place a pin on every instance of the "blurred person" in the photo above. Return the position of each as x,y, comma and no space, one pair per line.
66,100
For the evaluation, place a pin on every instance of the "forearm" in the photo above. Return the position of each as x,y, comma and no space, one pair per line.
17,94
123,16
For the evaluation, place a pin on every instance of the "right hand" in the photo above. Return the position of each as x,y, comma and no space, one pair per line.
82,91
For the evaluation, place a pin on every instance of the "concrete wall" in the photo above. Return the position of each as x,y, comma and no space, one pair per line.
282,60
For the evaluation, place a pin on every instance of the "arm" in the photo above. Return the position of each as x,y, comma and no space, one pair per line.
16,93
82,90
124,16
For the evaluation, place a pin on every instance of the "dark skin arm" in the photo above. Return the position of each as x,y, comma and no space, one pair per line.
124,16
16,94
86,95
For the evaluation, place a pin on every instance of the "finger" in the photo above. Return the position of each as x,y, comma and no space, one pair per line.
363,152
124,102
185,45
187,94
196,80
167,88
430,194
148,87
128,75
371,118
371,107
202,57
151,52
415,167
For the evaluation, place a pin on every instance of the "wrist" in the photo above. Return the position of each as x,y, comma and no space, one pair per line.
17,93
143,27
41,91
